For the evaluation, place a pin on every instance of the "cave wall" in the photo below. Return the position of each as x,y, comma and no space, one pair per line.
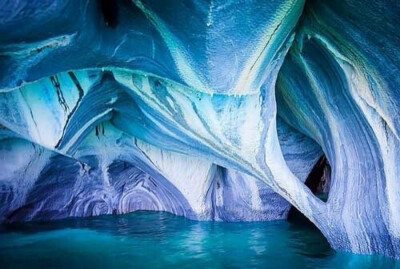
339,85
210,110
113,173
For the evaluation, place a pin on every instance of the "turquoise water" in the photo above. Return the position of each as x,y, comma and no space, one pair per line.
162,240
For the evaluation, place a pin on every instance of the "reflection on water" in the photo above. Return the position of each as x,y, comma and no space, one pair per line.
161,240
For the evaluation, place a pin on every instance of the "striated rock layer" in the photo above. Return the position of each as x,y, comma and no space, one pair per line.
115,106
112,173
340,85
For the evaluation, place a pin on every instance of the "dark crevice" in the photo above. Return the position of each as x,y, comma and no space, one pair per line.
99,129
109,9
315,180
57,86
318,182
80,97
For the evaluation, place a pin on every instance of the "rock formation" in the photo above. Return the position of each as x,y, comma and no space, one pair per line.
212,110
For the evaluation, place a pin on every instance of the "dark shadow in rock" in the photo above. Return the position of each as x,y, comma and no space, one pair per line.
318,182
109,9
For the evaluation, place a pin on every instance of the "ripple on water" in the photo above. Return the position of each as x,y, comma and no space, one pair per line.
161,240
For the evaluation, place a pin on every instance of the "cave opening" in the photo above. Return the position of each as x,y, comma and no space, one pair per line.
318,181
110,12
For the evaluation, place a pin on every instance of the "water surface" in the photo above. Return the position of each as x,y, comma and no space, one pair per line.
162,240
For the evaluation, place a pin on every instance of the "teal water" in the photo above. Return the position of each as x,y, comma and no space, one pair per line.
162,240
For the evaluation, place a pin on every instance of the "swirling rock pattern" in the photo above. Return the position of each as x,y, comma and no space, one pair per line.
344,85
115,106
113,173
